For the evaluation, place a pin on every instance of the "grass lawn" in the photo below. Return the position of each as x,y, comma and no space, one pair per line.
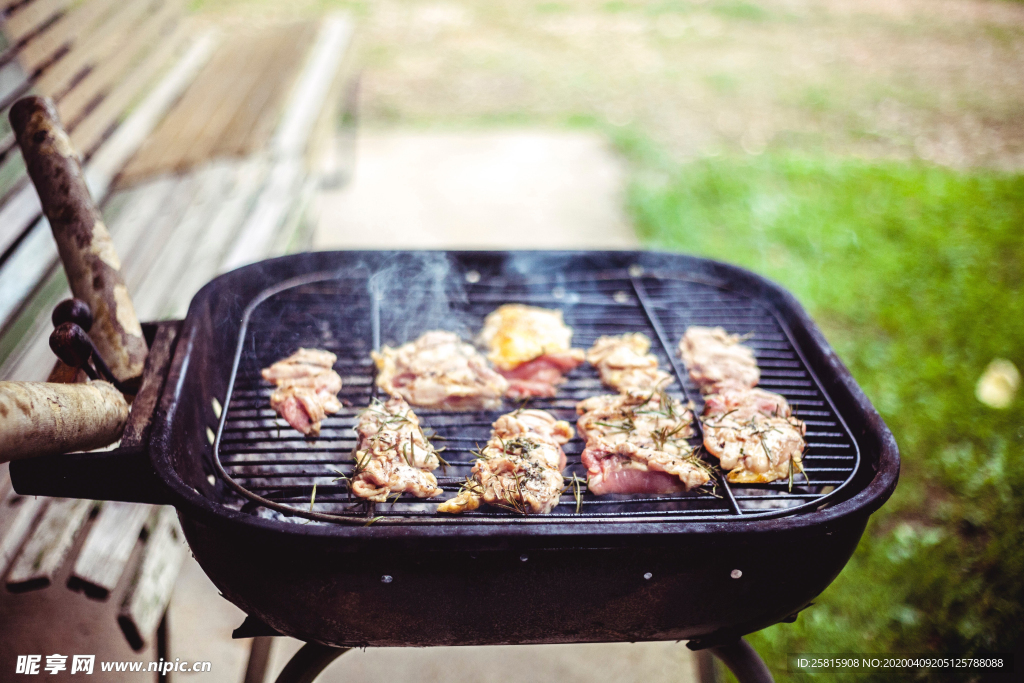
916,275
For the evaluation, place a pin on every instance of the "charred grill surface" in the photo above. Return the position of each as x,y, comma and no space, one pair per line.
265,457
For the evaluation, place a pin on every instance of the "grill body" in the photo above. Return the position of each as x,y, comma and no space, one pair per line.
522,591
696,566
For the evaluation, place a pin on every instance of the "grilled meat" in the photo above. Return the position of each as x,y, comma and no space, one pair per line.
636,443
743,403
717,360
439,370
307,388
753,434
757,449
624,363
393,455
520,468
531,347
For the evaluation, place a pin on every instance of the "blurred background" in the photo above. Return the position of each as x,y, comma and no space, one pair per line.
866,154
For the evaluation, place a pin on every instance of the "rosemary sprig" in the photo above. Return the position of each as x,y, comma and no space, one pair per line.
577,492
765,447
444,463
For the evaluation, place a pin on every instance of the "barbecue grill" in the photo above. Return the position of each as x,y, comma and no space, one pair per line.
707,566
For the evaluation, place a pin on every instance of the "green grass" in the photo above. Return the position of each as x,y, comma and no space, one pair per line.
915,273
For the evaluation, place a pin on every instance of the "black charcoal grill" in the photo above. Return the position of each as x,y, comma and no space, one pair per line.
707,566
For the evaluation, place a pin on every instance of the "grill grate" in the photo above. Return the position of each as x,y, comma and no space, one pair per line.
268,464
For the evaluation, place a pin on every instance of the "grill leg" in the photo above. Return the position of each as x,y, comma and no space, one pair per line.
744,662
309,662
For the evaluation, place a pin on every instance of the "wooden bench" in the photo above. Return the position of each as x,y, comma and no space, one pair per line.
137,88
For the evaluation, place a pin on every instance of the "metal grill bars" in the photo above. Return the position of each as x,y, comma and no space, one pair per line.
266,464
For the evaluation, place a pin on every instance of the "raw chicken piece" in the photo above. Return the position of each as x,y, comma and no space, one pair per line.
393,455
624,363
439,370
636,443
755,448
520,468
307,388
717,360
531,347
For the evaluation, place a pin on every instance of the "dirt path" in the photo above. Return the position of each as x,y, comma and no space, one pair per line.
475,190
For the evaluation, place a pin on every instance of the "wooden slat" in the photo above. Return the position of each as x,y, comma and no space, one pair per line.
138,218
154,238
16,516
200,110
227,91
272,205
28,265
12,176
20,211
151,588
102,78
210,252
106,551
28,18
12,80
213,182
99,45
111,158
314,83
71,27
6,5
23,208
51,540
91,129
289,144
253,123
233,105
296,231
185,121
37,254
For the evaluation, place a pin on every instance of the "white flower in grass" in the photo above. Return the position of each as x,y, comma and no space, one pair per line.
998,384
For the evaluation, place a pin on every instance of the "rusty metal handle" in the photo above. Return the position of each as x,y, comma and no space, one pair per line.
72,345
86,249
72,311
44,418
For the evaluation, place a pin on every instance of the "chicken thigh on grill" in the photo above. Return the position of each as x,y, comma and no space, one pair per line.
751,431
717,360
306,388
520,468
636,442
393,455
624,363
531,347
439,370
755,448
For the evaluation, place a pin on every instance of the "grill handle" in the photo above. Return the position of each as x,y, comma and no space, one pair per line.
86,249
43,418
123,474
